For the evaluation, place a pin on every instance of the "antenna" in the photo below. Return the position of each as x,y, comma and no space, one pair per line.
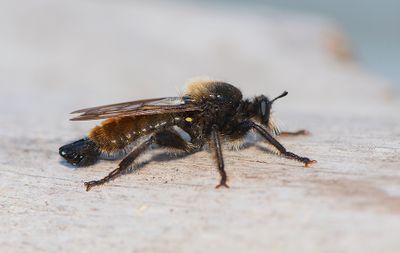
280,96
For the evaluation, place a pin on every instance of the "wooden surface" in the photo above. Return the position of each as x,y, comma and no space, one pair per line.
66,56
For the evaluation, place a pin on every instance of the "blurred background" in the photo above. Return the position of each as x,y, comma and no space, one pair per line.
74,54
372,27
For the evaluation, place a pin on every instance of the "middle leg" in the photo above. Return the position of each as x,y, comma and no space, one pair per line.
216,145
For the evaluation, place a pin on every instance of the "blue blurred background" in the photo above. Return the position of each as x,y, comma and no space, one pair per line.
372,26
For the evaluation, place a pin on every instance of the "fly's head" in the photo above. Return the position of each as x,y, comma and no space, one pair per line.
263,106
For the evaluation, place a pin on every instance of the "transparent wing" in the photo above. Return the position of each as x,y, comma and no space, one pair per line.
138,107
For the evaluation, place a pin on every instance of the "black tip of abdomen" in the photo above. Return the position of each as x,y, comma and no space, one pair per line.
83,152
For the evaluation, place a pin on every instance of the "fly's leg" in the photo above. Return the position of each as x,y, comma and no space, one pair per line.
216,145
171,139
264,133
123,165
297,133
168,138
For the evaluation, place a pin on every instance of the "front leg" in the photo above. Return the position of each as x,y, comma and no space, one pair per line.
216,145
264,133
247,125
297,133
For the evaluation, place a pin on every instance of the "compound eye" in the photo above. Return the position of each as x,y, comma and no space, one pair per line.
263,108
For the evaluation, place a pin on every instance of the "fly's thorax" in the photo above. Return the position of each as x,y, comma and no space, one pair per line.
219,101
214,91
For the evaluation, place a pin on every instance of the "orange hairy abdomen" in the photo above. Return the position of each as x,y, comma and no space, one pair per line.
116,133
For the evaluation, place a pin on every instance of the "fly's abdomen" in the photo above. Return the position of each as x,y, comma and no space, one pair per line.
117,133
83,152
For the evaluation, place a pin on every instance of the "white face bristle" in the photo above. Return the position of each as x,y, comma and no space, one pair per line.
273,126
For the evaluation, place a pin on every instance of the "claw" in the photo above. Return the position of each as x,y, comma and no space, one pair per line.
309,163
222,184
303,132
89,185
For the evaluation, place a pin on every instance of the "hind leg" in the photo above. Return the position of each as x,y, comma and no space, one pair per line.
123,165
167,138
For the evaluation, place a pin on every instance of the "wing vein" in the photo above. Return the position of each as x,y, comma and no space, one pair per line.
138,107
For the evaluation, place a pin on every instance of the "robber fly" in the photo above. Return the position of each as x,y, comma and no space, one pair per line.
211,112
